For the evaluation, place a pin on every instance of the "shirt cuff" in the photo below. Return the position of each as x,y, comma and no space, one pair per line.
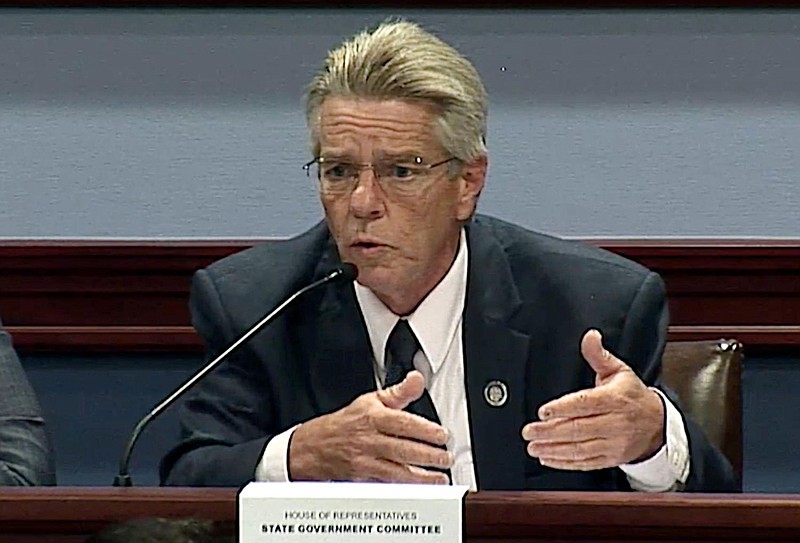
274,464
668,469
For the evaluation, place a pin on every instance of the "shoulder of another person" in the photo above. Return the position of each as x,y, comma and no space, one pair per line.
6,345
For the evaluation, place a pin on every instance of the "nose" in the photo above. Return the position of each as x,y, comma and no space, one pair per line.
366,199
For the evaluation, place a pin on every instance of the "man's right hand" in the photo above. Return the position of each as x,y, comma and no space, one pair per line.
372,439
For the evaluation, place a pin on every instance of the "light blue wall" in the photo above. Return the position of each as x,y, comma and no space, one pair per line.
771,443
189,123
91,404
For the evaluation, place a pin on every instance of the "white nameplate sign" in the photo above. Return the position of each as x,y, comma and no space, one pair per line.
350,512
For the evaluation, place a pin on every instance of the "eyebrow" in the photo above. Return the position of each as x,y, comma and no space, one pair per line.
400,156
339,157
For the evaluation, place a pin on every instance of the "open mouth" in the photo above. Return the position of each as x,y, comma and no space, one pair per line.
368,246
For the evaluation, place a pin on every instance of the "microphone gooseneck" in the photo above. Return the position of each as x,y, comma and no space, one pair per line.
345,272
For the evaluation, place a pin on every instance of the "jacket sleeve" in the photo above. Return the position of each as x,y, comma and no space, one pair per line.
225,421
642,345
25,454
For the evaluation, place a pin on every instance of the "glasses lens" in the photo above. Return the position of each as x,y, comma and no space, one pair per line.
336,177
401,178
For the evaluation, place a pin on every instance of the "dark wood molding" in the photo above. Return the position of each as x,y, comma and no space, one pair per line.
763,340
72,514
132,296
67,514
106,339
578,516
751,335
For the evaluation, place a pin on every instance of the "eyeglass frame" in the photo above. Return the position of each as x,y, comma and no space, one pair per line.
362,166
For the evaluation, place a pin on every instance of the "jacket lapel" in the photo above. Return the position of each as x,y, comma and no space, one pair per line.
494,353
340,355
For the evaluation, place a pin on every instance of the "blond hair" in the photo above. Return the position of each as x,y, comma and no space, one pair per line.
400,60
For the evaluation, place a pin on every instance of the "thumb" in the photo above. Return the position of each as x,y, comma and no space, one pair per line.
408,390
602,362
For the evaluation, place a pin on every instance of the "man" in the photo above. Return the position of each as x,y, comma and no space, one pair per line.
25,454
498,340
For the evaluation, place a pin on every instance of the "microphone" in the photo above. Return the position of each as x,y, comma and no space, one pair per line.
345,272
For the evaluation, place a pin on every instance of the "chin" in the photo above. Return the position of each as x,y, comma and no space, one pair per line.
375,278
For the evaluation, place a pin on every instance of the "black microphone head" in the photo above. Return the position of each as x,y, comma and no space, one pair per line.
349,272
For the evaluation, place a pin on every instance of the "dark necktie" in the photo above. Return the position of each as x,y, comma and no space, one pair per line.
400,350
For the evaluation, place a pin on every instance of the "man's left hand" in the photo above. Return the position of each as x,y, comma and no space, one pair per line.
619,421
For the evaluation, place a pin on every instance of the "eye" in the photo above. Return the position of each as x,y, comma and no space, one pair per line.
337,171
399,171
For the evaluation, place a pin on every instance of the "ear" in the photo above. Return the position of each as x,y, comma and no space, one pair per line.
471,180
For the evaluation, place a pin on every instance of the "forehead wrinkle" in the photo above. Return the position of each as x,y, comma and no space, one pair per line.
392,127
398,140
338,123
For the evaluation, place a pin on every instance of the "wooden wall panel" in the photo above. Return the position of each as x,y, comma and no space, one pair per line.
71,514
132,296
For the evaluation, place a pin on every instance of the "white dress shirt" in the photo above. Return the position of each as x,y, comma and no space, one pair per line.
437,323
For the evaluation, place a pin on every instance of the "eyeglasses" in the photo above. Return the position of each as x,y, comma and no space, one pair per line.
338,177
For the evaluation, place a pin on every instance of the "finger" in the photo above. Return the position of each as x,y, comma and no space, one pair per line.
435,477
406,451
583,403
581,451
564,430
408,425
602,362
408,390
590,464
385,471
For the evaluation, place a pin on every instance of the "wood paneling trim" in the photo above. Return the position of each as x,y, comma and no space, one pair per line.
182,339
71,514
132,296
754,336
130,339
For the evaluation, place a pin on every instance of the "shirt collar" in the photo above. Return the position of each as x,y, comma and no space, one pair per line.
435,320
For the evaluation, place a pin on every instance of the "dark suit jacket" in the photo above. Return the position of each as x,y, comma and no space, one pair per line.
25,454
530,298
